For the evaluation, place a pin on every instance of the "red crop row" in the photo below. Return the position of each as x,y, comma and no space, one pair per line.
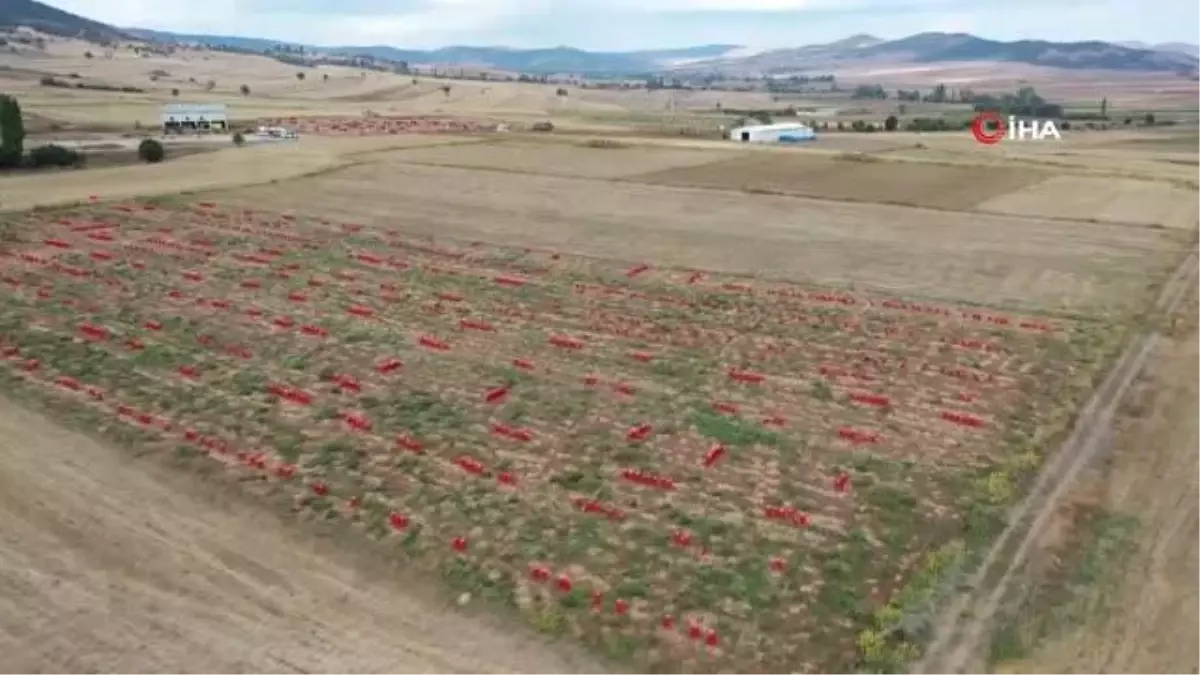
787,514
648,479
514,433
964,419
871,399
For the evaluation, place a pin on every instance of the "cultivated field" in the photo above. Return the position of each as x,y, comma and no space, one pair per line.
703,407
691,470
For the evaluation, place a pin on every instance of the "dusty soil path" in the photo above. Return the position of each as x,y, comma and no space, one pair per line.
961,629
1148,620
110,563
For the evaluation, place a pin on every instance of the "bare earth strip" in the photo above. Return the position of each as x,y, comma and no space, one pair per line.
109,564
980,258
962,626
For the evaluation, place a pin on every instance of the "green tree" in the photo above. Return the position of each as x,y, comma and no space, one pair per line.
300,76
891,123
867,91
12,132
150,150
1149,119
1104,108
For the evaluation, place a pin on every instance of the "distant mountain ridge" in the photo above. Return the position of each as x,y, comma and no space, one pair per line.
547,60
725,58
948,47
729,59
43,17
1177,47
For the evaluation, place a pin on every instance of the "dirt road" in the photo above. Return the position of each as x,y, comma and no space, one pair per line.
961,629
1149,619
114,564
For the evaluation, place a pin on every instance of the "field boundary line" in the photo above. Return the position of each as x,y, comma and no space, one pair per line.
957,634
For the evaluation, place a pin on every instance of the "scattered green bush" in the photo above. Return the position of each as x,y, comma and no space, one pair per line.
150,150
54,155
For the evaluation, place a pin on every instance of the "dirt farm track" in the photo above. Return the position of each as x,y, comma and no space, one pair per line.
588,401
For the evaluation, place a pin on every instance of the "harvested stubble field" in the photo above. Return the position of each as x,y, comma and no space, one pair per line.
1140,202
695,471
854,178
981,258
566,159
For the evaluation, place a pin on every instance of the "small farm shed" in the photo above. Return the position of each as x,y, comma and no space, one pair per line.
790,132
181,118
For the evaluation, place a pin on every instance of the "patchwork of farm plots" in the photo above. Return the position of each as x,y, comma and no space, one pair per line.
699,472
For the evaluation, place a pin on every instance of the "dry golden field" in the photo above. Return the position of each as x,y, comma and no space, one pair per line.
883,336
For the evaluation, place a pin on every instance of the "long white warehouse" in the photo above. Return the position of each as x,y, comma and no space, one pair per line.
790,132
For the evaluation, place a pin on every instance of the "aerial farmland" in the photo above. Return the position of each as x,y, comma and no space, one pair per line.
687,407
690,468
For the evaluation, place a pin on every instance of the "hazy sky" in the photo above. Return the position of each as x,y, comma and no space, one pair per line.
639,24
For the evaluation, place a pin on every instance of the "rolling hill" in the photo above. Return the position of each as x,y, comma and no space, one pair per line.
957,47
725,58
549,60
47,19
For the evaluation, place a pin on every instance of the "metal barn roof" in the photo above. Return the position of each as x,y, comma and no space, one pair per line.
785,126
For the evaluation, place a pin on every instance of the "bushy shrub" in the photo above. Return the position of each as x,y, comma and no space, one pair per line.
238,139
54,155
929,124
150,150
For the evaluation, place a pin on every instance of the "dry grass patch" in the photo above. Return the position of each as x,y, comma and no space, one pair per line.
1142,202
558,158
974,257
200,168
916,184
